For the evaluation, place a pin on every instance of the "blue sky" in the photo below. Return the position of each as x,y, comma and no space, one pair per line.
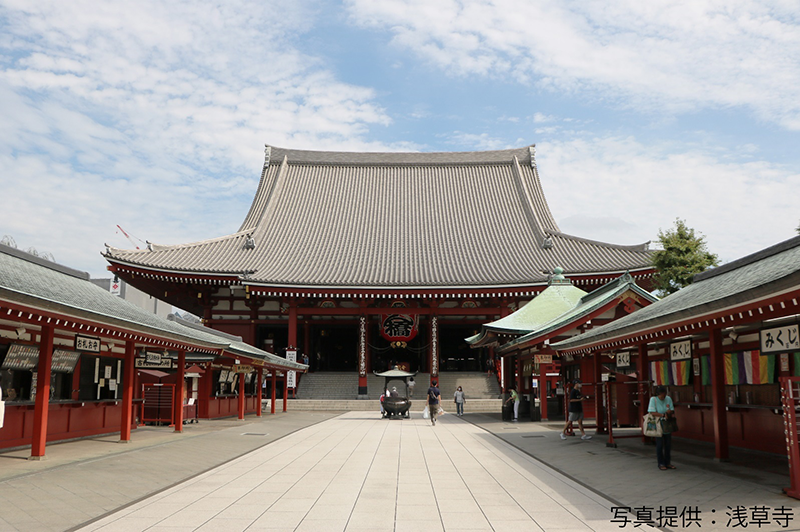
154,115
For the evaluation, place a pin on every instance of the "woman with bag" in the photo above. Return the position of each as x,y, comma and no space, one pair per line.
662,408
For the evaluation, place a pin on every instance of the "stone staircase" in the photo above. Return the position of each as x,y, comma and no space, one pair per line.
338,391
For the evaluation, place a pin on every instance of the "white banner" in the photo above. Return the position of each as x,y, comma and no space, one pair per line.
291,356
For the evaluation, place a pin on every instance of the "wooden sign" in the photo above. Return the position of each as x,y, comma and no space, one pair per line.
242,368
680,350
780,339
543,359
87,344
623,360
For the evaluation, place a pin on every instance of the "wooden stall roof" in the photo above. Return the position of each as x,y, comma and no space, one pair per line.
717,296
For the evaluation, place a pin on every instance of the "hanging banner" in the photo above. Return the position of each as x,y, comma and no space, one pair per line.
399,327
291,356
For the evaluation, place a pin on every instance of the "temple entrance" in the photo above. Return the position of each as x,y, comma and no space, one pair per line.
457,355
333,348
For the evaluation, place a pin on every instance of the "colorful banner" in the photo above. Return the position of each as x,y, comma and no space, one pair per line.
705,370
666,373
797,364
749,367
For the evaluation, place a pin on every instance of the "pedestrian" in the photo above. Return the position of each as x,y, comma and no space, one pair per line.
433,401
459,399
661,406
576,399
411,385
383,398
514,397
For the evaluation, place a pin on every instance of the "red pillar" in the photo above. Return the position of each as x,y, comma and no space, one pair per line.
719,414
42,393
597,370
259,390
179,386
307,340
643,371
274,381
293,324
240,402
285,389
128,377
543,389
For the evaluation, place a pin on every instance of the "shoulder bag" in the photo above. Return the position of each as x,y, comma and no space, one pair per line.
651,426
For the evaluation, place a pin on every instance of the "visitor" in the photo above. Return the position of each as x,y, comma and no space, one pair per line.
661,406
513,397
433,401
459,399
576,399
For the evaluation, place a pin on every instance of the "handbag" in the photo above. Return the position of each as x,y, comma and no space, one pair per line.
651,426
670,425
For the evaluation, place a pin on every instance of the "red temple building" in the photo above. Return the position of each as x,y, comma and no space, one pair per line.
363,261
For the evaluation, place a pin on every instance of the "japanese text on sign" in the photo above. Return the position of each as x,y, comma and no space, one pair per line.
88,344
680,350
780,339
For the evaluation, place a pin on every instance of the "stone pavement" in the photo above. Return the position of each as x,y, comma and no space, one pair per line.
359,472
324,471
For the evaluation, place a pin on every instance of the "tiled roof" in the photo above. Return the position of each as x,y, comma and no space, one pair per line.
771,271
587,304
373,220
558,298
40,284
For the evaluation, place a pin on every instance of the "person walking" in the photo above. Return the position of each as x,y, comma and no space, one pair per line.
411,385
459,399
433,401
513,397
576,399
661,406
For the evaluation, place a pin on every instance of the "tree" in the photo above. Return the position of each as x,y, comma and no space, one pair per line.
684,254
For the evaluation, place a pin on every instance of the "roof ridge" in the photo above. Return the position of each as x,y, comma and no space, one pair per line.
643,247
24,255
748,259
398,157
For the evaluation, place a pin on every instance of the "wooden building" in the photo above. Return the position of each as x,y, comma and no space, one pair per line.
720,345
523,340
369,260
69,351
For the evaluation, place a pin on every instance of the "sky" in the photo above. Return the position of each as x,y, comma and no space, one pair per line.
153,116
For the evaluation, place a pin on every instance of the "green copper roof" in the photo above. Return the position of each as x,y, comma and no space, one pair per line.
588,304
559,297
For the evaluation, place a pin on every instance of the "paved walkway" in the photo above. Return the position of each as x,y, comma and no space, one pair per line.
358,472
354,471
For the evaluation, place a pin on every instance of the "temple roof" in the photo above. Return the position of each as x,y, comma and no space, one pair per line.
720,291
582,311
39,284
409,220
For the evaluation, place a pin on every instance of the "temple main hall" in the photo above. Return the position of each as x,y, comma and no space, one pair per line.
366,261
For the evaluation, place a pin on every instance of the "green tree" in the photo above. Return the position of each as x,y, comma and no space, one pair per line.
684,253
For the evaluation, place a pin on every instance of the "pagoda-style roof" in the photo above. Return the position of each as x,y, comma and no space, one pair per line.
558,298
393,220
582,312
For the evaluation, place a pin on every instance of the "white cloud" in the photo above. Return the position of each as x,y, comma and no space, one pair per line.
153,115
620,191
652,55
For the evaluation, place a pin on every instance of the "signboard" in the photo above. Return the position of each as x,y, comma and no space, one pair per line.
116,287
780,339
527,368
153,361
242,368
543,359
696,367
623,360
399,327
87,344
785,362
291,356
680,350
